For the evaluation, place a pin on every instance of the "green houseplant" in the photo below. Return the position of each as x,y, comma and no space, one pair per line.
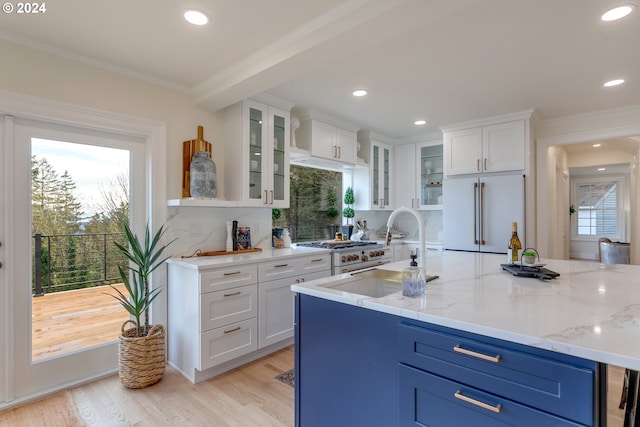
141,349
529,256
348,212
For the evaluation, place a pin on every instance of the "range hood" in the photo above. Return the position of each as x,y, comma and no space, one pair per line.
301,157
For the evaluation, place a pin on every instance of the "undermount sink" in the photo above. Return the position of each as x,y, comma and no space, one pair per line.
371,283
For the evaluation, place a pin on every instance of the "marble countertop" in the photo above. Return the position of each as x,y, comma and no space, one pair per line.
205,262
591,311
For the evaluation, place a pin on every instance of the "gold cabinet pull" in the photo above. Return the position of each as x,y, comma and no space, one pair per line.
316,260
231,273
232,294
458,395
494,359
237,328
281,265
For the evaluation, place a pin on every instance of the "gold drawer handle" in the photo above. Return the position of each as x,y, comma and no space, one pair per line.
232,294
231,273
494,359
316,260
237,328
458,395
281,265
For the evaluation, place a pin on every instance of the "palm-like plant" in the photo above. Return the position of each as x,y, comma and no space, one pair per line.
145,259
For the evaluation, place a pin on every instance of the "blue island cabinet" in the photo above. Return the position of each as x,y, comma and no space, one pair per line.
360,367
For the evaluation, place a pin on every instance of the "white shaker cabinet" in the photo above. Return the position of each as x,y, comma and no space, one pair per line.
493,148
257,139
418,184
222,317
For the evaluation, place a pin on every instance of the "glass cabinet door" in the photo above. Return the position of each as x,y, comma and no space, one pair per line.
375,185
431,176
386,154
279,158
255,153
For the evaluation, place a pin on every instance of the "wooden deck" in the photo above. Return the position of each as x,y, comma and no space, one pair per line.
72,320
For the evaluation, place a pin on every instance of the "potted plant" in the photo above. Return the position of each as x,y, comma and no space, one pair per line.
529,256
348,212
332,211
276,232
141,349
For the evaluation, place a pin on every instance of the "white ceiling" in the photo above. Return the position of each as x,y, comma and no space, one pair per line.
442,60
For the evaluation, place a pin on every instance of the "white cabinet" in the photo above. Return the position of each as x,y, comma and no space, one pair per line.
276,301
219,318
372,185
419,185
257,154
325,137
492,148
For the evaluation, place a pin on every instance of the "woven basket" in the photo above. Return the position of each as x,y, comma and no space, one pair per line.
141,359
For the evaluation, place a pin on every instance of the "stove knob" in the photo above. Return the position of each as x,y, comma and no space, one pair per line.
349,258
372,253
343,259
381,253
364,258
356,257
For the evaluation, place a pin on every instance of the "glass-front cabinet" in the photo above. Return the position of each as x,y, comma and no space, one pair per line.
430,177
257,147
380,176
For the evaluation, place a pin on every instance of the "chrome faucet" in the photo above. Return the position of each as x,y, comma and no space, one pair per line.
422,250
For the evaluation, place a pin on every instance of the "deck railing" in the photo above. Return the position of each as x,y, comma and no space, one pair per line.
74,261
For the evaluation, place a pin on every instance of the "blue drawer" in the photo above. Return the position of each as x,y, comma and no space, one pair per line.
430,400
536,378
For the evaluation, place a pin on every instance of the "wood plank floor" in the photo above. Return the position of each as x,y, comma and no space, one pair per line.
71,320
246,396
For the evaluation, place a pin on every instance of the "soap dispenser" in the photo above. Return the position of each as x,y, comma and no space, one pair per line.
413,280
286,238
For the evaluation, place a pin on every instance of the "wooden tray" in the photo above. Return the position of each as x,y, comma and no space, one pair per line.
218,253
337,242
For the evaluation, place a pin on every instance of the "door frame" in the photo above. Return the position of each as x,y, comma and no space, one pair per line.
153,133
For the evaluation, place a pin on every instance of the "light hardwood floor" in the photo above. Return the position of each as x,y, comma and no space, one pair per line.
246,396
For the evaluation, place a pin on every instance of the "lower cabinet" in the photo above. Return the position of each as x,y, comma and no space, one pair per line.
356,366
220,318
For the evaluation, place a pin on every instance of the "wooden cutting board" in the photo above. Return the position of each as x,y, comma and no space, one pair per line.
336,242
189,148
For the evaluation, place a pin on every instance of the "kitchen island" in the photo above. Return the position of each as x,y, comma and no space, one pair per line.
380,353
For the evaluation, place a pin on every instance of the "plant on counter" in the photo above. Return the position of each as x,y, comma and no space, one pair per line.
349,200
529,256
276,214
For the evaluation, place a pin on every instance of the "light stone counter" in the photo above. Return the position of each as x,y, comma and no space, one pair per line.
591,311
205,262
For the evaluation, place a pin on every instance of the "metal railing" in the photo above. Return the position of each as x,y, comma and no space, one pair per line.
75,261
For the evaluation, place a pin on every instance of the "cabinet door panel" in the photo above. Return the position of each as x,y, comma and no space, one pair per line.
223,344
314,264
503,147
502,203
463,151
430,400
405,181
229,306
323,140
217,280
346,141
278,269
460,219
276,311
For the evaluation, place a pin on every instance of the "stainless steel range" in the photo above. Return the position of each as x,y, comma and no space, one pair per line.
350,256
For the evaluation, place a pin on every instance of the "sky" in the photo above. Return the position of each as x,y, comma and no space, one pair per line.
91,167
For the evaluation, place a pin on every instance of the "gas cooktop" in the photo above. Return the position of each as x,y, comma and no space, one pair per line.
338,245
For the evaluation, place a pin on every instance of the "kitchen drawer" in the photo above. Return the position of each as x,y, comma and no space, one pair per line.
549,383
218,280
229,306
223,344
313,264
430,400
286,267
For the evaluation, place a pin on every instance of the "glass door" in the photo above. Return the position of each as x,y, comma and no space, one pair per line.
256,151
431,174
280,174
375,185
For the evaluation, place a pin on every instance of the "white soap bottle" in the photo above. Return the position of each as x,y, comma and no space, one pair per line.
286,238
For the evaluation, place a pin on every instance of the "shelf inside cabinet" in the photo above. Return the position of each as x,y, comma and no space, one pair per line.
202,202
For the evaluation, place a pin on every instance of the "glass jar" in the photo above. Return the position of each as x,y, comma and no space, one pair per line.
202,176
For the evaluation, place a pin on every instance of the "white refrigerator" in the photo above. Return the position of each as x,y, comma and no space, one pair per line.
478,212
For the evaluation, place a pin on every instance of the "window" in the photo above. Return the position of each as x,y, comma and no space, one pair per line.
315,204
599,207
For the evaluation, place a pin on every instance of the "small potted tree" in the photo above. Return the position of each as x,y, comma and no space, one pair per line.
348,212
141,349
332,211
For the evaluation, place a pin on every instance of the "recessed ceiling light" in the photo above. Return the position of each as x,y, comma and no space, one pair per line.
596,145
196,17
602,169
359,92
420,122
615,82
617,13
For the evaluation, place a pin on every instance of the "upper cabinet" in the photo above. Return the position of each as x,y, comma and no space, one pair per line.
325,138
494,147
257,154
372,185
419,186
